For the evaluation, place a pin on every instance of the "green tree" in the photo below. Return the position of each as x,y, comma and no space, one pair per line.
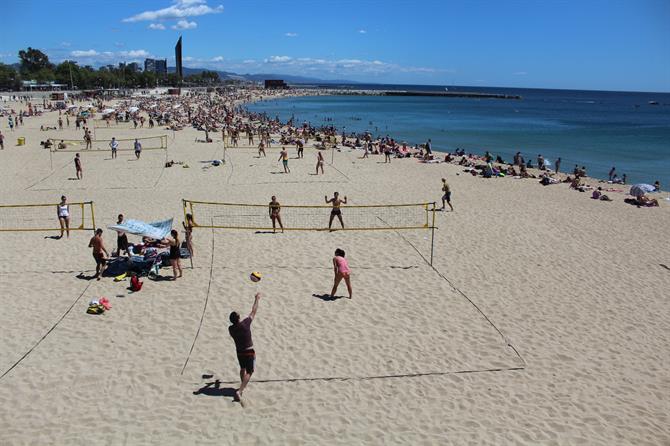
9,78
33,60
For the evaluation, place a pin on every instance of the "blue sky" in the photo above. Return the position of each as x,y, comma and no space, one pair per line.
587,44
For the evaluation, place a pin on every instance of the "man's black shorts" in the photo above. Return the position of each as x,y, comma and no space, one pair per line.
247,360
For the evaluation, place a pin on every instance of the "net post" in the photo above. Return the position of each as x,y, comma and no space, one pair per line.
332,156
92,215
432,235
51,160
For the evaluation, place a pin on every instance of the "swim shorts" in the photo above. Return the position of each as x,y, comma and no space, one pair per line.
247,360
447,197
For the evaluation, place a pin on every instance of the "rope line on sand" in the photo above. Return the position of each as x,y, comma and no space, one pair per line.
372,377
204,308
458,290
47,333
50,175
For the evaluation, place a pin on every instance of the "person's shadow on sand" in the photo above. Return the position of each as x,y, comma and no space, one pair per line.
326,297
215,389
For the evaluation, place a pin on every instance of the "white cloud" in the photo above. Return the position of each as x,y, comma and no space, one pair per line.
291,34
362,31
185,24
217,59
105,57
156,26
180,9
84,53
248,61
278,59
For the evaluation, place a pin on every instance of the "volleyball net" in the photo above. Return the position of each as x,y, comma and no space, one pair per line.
100,145
311,218
44,217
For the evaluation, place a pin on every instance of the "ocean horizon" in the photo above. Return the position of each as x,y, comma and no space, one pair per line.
596,129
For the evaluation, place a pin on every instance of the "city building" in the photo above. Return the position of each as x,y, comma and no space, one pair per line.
275,83
158,66
177,58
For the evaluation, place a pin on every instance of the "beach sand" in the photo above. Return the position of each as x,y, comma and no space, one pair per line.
544,319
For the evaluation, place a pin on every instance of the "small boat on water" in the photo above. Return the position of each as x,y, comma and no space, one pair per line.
653,102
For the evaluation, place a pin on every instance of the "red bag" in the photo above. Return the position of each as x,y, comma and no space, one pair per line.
135,284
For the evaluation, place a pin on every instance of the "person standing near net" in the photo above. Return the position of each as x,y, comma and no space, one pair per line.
275,208
138,148
188,232
63,210
446,195
77,167
114,144
100,253
341,271
261,149
336,211
283,156
319,162
240,331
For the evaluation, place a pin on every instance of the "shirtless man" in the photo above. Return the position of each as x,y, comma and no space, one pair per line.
100,253
283,156
446,195
336,211
274,208
240,331
261,149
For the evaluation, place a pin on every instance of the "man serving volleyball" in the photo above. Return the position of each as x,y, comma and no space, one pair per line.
240,331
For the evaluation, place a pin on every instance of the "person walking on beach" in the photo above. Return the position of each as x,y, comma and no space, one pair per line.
341,271
240,331
77,167
283,156
138,149
446,195
319,162
261,149
63,212
100,253
2,141
612,173
87,139
336,211
429,147
114,145
558,164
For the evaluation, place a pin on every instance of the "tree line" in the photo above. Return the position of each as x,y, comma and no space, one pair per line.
35,65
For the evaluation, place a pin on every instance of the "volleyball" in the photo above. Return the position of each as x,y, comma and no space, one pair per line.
255,276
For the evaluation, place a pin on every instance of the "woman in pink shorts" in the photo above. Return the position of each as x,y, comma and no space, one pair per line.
342,271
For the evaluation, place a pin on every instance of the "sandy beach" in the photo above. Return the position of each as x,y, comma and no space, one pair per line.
543,320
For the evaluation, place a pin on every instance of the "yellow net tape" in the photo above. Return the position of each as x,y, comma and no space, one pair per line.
44,217
98,145
311,218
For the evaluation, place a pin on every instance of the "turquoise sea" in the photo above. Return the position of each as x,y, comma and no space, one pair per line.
597,129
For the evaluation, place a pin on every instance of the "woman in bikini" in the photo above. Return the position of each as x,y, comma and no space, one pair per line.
319,162
274,208
188,231
64,216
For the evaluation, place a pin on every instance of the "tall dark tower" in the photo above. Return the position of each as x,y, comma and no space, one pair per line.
177,58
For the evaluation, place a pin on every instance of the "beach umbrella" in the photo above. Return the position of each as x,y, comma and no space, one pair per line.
133,109
108,111
638,190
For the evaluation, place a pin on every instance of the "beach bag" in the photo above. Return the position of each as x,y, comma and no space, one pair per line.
135,284
95,308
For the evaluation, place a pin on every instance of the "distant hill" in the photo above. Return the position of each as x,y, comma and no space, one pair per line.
263,76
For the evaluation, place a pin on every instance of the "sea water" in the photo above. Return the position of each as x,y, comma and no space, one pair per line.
596,129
